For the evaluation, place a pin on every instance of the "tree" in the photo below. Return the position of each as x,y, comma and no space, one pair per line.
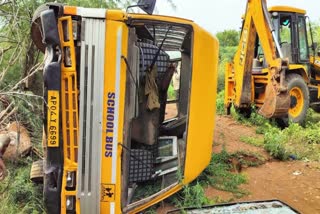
228,38
229,41
18,55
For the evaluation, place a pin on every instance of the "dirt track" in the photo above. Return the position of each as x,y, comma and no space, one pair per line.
296,183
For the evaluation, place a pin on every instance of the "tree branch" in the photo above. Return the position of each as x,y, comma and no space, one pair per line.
33,70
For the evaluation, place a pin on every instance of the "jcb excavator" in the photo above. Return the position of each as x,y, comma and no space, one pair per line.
272,69
108,146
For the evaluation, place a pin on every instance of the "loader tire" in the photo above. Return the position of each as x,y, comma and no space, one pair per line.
299,100
36,172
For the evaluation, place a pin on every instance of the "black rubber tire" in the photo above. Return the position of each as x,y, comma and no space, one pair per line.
36,34
36,172
295,80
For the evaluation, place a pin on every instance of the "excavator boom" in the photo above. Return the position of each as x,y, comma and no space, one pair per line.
257,28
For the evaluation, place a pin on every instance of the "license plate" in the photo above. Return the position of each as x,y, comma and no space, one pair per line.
53,118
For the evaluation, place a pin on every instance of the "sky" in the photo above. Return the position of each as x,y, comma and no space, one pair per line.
219,15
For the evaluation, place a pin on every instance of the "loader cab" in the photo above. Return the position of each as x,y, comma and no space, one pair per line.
290,28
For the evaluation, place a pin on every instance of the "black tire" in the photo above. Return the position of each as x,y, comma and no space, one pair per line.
299,100
36,34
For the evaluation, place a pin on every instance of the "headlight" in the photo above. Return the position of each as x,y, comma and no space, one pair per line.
71,180
71,203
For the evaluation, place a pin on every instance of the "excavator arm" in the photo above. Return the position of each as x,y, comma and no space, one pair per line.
240,85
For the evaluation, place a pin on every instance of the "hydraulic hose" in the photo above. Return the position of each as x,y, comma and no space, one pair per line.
267,17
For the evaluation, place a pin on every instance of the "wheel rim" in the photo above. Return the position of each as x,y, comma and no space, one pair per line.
296,103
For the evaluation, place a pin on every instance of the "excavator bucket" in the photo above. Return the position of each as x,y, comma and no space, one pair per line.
276,104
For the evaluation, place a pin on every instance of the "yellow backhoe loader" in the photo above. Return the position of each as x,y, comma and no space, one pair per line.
275,67
106,78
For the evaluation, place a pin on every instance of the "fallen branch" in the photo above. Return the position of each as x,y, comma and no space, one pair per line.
8,93
2,113
12,61
19,94
9,115
2,51
33,71
5,2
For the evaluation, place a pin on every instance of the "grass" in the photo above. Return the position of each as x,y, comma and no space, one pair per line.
146,189
259,142
248,159
17,193
220,175
293,142
220,103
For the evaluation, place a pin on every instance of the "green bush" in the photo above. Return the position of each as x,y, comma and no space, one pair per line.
18,193
193,196
220,103
218,174
226,54
274,143
252,141
171,94
294,141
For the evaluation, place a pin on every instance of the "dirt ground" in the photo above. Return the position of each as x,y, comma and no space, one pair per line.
296,183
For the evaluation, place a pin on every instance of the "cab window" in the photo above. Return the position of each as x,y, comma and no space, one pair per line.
302,38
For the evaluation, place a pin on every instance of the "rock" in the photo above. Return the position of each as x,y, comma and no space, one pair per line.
17,148
297,172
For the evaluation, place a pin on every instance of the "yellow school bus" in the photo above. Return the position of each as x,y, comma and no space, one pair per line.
107,75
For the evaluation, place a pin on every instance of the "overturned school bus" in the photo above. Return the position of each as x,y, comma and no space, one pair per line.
106,78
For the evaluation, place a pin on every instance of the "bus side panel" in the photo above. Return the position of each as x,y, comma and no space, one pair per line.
113,116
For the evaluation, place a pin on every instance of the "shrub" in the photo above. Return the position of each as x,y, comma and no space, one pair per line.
18,193
220,103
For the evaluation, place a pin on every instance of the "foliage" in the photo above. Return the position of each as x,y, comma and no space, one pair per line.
252,141
294,142
275,143
17,193
228,38
227,53
146,189
219,175
247,158
220,103
192,195
315,26
171,93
